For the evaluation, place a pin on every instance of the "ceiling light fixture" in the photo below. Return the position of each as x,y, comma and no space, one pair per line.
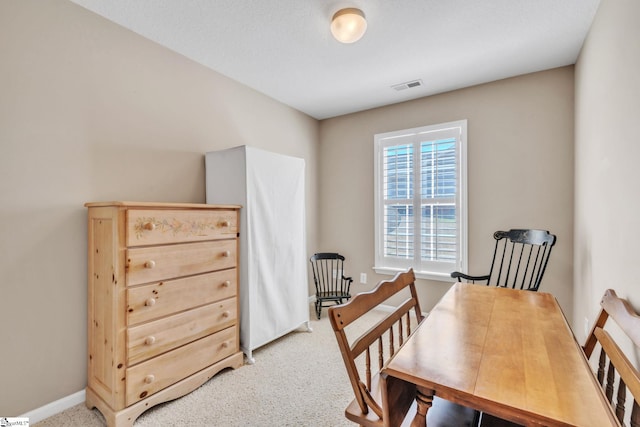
348,25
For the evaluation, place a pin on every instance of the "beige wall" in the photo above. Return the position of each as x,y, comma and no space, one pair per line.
520,172
90,111
607,154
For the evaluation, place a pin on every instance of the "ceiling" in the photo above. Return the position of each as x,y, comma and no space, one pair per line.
284,48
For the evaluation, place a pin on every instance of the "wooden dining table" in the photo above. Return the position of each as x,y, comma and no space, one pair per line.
505,352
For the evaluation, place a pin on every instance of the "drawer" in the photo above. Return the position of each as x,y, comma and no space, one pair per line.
153,375
153,338
152,227
149,302
156,263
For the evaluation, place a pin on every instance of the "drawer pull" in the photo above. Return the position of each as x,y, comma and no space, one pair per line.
149,226
149,340
226,314
150,264
225,223
224,345
226,254
226,283
149,379
149,302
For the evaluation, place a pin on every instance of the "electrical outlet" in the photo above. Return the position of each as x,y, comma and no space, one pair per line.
586,327
363,278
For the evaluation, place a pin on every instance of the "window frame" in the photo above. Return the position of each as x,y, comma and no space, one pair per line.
422,269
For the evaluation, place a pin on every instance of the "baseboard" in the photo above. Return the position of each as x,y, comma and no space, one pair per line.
54,408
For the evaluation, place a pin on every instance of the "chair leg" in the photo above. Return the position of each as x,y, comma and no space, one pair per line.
318,308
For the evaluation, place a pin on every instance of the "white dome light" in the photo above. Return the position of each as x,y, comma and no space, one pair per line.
348,25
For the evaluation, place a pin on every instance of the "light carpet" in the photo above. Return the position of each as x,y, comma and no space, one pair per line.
297,380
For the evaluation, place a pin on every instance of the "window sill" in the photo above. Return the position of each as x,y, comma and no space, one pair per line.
428,275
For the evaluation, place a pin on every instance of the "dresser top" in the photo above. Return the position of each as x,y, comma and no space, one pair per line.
160,205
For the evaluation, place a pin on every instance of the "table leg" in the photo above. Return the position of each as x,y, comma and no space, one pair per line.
424,399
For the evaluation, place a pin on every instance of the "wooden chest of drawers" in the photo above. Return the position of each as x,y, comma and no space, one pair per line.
162,302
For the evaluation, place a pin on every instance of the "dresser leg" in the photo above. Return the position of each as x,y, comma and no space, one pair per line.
127,416
113,419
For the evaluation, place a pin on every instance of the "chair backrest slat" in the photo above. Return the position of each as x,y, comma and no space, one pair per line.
520,257
328,270
635,414
615,371
383,333
332,286
622,400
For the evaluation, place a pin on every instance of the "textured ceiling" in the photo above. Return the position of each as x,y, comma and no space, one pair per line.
284,48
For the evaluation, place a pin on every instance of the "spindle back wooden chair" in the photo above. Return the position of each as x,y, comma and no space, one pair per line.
368,353
519,261
332,285
613,364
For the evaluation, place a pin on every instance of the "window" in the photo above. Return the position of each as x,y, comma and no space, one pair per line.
421,200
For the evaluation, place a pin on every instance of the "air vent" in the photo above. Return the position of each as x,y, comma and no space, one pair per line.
407,85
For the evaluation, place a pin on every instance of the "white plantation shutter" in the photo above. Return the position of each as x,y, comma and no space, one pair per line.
420,206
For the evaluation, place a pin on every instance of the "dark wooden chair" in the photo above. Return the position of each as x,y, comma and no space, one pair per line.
519,260
364,356
331,284
612,363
